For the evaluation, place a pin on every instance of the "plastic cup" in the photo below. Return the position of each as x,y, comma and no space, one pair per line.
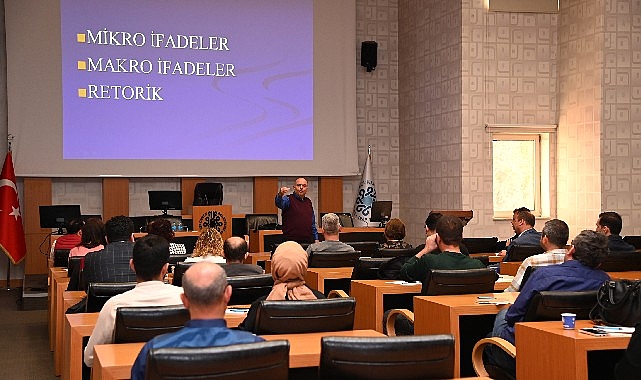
568,320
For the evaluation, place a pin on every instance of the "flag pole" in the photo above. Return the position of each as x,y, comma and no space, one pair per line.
8,287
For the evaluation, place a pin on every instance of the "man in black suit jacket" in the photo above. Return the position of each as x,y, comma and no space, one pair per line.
111,264
235,249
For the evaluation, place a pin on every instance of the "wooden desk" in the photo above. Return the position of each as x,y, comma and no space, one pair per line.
564,353
79,326
315,277
138,235
114,361
255,257
64,301
56,275
503,282
629,275
257,237
510,267
492,257
369,300
441,315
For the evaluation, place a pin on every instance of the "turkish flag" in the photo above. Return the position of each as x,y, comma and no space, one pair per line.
12,240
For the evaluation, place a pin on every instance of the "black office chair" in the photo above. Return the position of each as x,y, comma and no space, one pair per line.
175,259
400,358
99,292
141,323
261,360
208,193
621,262
396,252
522,252
247,289
333,259
367,248
61,257
366,268
481,244
635,240
179,271
544,306
526,275
261,222
295,317
462,281
75,273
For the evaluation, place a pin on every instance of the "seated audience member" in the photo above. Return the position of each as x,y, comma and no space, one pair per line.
209,247
149,262
430,229
554,238
71,238
235,249
629,366
578,272
523,225
331,228
610,224
289,265
111,264
447,240
92,238
162,227
206,294
395,233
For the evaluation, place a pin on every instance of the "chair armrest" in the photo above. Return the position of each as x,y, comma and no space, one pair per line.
391,318
337,294
477,352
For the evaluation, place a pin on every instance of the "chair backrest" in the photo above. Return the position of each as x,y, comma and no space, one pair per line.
400,357
396,252
99,292
179,271
175,259
481,244
333,259
548,305
262,360
366,268
374,235
294,317
141,323
461,281
208,193
635,240
526,275
367,248
261,221
621,262
61,257
522,252
75,273
247,289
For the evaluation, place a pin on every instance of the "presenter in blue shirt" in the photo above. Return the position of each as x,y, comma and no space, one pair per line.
299,221
206,294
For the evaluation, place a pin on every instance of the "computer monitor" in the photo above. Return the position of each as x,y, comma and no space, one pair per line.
381,211
58,216
165,200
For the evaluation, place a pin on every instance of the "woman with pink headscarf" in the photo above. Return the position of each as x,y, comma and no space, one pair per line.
289,266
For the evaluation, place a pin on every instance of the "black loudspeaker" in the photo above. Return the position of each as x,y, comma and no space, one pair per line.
368,54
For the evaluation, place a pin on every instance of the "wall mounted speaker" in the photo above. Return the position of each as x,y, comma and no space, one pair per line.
368,54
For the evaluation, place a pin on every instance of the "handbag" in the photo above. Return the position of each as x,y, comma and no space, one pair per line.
618,303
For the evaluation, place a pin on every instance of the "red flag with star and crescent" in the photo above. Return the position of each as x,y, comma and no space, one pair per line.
12,241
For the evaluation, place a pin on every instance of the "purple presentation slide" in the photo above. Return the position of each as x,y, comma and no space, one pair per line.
187,79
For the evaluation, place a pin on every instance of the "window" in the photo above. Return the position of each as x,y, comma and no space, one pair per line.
520,169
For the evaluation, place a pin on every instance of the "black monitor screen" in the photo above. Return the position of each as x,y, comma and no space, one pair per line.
165,200
381,211
58,216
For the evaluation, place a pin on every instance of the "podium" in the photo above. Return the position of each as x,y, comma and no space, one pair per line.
218,217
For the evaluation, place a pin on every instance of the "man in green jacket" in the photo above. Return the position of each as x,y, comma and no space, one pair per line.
448,237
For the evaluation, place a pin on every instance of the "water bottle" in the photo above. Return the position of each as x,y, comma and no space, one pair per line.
179,227
173,226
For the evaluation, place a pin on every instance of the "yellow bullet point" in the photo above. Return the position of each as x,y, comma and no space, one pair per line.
82,92
82,65
80,37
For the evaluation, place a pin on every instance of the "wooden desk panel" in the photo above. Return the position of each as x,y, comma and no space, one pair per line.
564,352
369,300
510,267
114,361
315,277
65,300
629,275
440,315
79,326
56,275
255,257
